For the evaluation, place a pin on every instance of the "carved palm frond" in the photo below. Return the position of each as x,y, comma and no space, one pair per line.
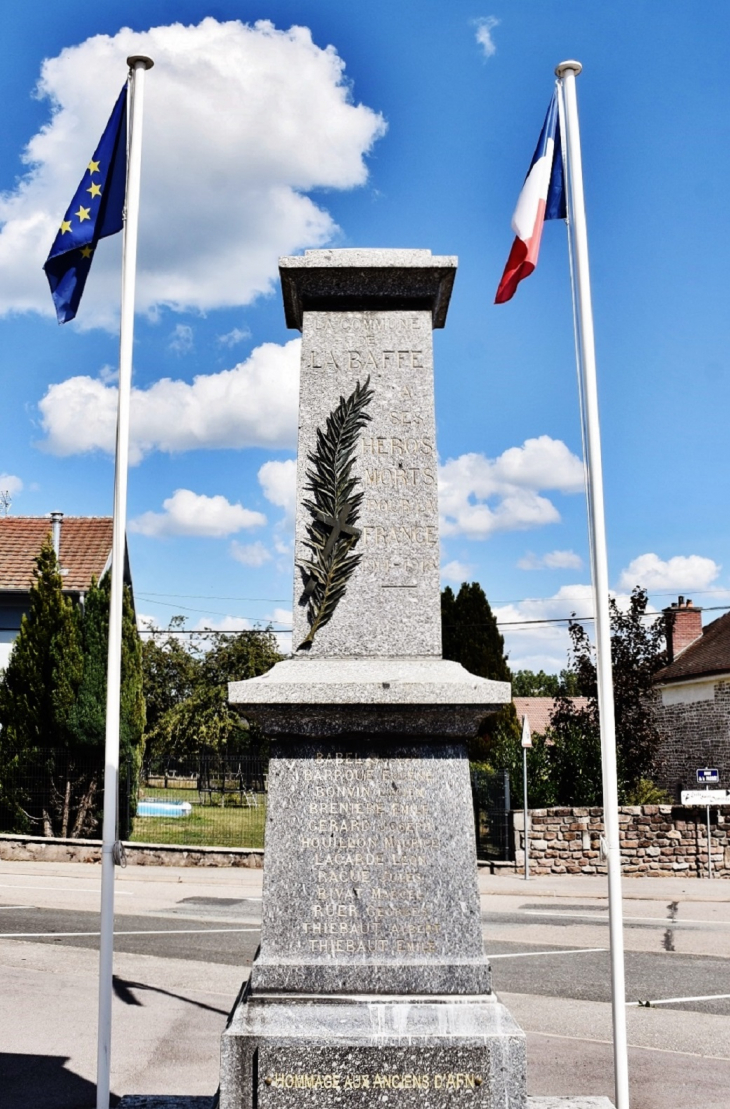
335,509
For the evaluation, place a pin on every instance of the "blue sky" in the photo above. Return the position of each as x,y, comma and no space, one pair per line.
378,125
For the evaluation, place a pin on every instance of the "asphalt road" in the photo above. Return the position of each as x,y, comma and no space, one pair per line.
184,940
226,930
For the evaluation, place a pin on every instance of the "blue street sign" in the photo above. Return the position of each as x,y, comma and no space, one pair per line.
708,776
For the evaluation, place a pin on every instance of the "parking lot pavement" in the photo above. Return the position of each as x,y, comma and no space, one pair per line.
186,936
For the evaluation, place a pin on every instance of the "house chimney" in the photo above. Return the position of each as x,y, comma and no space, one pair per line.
684,627
56,518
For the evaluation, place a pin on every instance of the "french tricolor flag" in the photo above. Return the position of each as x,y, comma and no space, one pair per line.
542,197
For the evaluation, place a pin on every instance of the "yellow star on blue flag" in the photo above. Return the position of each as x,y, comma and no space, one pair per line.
97,210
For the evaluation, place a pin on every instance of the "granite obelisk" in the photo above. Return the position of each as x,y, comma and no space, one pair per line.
371,980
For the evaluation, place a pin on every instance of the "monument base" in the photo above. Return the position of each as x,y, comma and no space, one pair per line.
293,1050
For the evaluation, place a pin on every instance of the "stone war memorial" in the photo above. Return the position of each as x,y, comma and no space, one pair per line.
371,985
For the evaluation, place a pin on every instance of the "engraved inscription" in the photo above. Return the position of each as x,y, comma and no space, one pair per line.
300,1080
365,360
395,464
368,836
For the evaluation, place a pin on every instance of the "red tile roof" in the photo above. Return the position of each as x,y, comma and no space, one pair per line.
86,543
710,654
539,710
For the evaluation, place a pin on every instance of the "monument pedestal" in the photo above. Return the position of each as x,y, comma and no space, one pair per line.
289,1050
371,976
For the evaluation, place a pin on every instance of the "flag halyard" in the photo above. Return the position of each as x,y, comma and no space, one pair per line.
542,198
96,211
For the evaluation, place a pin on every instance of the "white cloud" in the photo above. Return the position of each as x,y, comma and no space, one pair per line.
254,404
532,641
280,616
188,513
279,483
283,616
456,571
223,195
553,560
224,624
512,483
682,573
534,645
181,339
10,484
250,554
232,338
484,27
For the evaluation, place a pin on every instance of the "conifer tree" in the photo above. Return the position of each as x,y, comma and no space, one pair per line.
470,636
37,694
88,716
40,684
470,633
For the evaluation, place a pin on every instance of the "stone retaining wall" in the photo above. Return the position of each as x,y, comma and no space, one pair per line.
656,841
38,849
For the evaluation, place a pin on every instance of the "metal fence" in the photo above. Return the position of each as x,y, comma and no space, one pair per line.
54,792
490,792
217,801
212,801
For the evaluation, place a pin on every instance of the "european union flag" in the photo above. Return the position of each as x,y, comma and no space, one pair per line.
97,210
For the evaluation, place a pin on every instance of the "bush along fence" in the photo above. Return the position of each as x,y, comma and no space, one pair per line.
217,801
656,841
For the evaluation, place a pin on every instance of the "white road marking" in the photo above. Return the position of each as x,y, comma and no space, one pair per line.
604,920
13,906
567,951
634,1047
69,889
133,932
679,1000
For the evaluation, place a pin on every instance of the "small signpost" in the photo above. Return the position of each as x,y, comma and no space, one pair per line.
707,776
526,742
706,797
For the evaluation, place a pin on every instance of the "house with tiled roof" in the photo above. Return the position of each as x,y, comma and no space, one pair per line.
693,699
539,710
83,546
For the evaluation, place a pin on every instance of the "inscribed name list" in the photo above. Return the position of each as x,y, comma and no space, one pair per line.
375,863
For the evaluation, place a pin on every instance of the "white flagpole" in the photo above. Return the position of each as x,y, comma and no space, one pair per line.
567,72
138,64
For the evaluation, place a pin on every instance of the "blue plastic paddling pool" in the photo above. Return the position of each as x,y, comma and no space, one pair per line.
164,808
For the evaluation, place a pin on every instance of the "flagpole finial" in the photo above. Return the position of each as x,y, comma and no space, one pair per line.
133,59
568,67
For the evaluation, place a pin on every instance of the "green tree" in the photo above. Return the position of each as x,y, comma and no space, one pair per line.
637,652
470,633
170,669
87,718
506,753
37,694
526,683
470,636
199,719
44,672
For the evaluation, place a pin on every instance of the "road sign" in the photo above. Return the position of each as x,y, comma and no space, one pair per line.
708,776
526,733
706,797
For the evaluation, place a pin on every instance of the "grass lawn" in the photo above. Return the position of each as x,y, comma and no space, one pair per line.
207,826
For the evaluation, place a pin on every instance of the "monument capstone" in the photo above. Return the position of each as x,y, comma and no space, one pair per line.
371,984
